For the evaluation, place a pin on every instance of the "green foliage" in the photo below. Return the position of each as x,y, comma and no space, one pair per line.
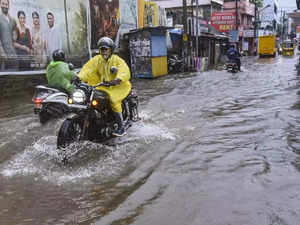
79,39
259,3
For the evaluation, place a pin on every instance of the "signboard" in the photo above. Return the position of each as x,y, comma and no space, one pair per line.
233,36
223,21
248,33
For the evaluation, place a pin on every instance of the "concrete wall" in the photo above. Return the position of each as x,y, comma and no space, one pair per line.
19,85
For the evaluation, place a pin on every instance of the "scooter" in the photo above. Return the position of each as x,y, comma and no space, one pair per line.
175,64
232,67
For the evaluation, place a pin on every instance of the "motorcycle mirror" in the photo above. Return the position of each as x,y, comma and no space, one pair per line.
71,66
113,70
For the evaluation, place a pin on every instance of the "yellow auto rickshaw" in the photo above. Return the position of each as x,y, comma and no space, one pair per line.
288,48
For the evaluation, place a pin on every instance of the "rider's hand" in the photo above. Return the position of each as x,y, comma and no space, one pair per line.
75,80
114,82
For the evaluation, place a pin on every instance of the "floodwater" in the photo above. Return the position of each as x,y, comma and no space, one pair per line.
212,148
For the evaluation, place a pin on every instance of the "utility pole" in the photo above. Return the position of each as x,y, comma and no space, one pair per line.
236,22
197,29
192,31
185,37
236,15
67,26
255,27
283,25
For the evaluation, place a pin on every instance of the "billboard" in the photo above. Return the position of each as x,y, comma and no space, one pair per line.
105,19
223,21
30,30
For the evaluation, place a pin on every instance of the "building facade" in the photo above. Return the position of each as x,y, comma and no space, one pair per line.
269,17
244,21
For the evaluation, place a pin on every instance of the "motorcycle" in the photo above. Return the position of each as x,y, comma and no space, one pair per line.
49,103
92,117
175,64
232,67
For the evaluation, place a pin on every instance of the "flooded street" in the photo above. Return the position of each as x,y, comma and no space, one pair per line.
212,148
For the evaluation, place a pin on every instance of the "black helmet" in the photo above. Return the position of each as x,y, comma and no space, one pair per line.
106,42
58,55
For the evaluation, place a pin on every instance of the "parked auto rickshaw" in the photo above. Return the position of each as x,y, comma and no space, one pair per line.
288,48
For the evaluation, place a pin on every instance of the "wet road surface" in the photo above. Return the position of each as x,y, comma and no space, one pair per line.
212,148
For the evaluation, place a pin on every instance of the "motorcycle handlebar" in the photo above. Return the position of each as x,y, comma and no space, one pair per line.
102,84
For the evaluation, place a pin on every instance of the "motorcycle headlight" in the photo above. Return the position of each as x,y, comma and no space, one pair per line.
78,96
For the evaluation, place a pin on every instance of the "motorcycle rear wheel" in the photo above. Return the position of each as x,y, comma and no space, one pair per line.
69,132
44,116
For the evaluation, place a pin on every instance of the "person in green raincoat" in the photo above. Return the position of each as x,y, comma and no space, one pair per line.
58,72
110,68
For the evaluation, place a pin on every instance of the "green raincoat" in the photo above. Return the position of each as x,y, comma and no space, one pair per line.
59,76
97,70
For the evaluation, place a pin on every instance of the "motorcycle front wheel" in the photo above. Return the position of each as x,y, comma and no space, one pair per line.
69,132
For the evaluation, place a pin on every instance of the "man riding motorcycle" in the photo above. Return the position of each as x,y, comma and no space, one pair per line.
234,56
110,68
58,72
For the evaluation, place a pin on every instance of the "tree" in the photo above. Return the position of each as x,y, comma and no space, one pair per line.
258,3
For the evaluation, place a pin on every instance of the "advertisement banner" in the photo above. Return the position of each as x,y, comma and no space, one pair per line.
150,14
233,36
30,30
223,21
128,12
141,7
105,20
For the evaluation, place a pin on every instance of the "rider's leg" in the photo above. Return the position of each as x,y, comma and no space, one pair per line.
120,131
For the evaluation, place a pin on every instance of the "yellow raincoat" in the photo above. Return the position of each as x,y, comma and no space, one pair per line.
97,70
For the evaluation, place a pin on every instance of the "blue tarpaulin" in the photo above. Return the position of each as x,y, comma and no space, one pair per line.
176,31
176,37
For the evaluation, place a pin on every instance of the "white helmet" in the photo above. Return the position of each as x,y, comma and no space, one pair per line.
106,42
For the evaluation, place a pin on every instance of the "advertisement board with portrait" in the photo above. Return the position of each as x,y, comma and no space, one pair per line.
30,30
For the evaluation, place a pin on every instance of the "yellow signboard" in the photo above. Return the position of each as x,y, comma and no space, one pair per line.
185,37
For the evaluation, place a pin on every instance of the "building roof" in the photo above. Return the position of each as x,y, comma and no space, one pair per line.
156,28
178,3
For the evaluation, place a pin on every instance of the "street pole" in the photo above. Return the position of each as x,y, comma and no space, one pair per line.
192,31
236,21
255,27
67,26
185,37
197,29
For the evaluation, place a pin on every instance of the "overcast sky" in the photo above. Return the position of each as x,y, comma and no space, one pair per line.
287,3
